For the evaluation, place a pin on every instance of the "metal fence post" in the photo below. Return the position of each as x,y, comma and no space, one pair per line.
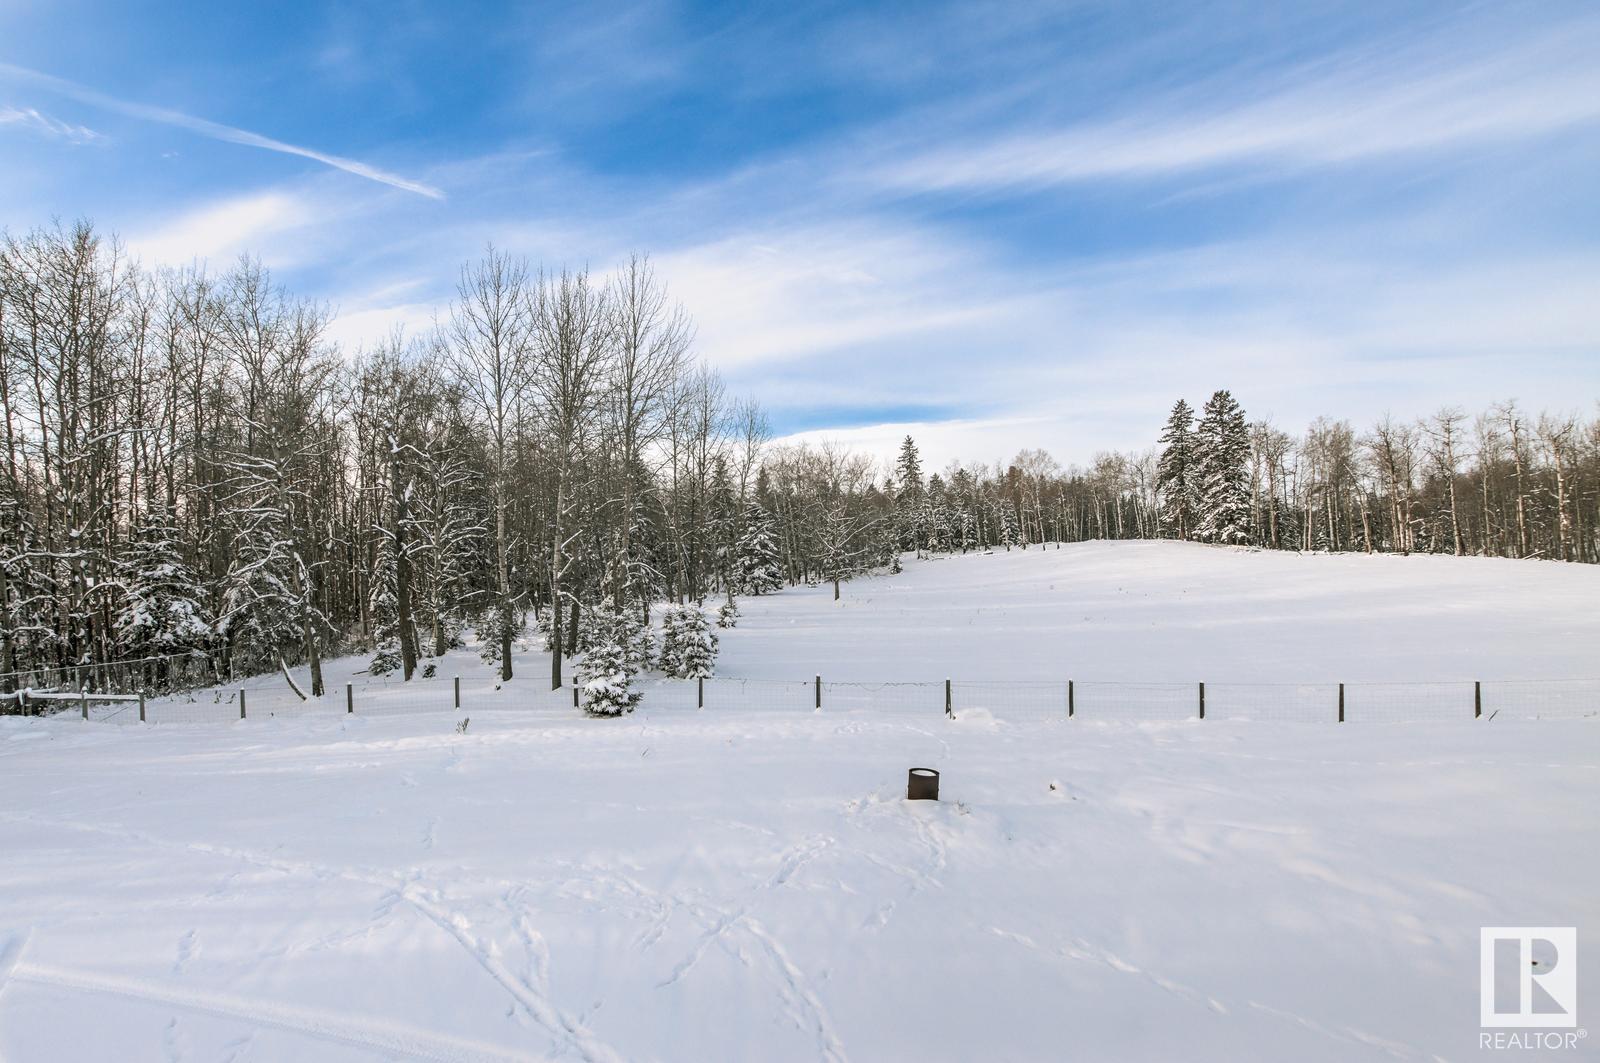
948,708
819,691
141,706
458,692
349,698
574,695
1070,706
700,693
1477,699
83,696
1341,703
1202,701
241,703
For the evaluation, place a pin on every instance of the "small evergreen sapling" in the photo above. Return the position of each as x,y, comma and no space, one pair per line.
606,674
698,645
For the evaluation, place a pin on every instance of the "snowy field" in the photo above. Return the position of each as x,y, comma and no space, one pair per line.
742,884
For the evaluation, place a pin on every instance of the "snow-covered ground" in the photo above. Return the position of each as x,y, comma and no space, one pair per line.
1181,612
743,883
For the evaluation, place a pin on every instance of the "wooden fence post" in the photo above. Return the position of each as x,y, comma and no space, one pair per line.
1070,706
1202,701
241,703
141,706
819,691
458,692
1341,703
574,695
1477,699
349,698
700,693
83,696
949,709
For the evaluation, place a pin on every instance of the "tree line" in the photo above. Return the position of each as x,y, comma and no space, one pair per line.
193,471
195,476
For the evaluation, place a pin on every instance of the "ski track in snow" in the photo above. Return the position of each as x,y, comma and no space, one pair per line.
427,902
387,1037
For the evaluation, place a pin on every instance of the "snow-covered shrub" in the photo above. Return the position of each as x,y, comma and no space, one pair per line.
728,615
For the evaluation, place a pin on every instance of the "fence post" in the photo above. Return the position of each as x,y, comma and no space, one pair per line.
948,708
241,703
819,691
1202,701
574,695
141,706
1341,703
1477,699
349,698
458,692
83,696
1070,706
700,693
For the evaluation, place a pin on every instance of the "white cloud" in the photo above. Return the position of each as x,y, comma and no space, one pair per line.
38,122
221,231
803,291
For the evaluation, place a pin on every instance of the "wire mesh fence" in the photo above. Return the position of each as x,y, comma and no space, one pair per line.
1135,701
1002,699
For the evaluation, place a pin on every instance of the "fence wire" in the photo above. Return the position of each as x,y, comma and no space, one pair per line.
1355,703
1136,701
1299,702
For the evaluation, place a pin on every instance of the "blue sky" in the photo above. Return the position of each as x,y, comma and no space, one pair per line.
992,225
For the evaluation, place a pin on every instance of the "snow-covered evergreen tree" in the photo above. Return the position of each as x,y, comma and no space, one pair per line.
728,615
910,518
697,645
758,568
607,669
1222,455
670,659
383,608
26,589
1006,523
637,639
163,609
1175,473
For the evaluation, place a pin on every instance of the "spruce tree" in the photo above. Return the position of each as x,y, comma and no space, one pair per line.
607,669
697,645
757,563
163,608
1222,455
1175,473
910,519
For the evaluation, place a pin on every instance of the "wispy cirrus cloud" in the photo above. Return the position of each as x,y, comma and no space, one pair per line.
1338,110
215,130
38,122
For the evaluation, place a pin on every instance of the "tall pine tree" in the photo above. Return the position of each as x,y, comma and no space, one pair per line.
1175,473
1222,455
